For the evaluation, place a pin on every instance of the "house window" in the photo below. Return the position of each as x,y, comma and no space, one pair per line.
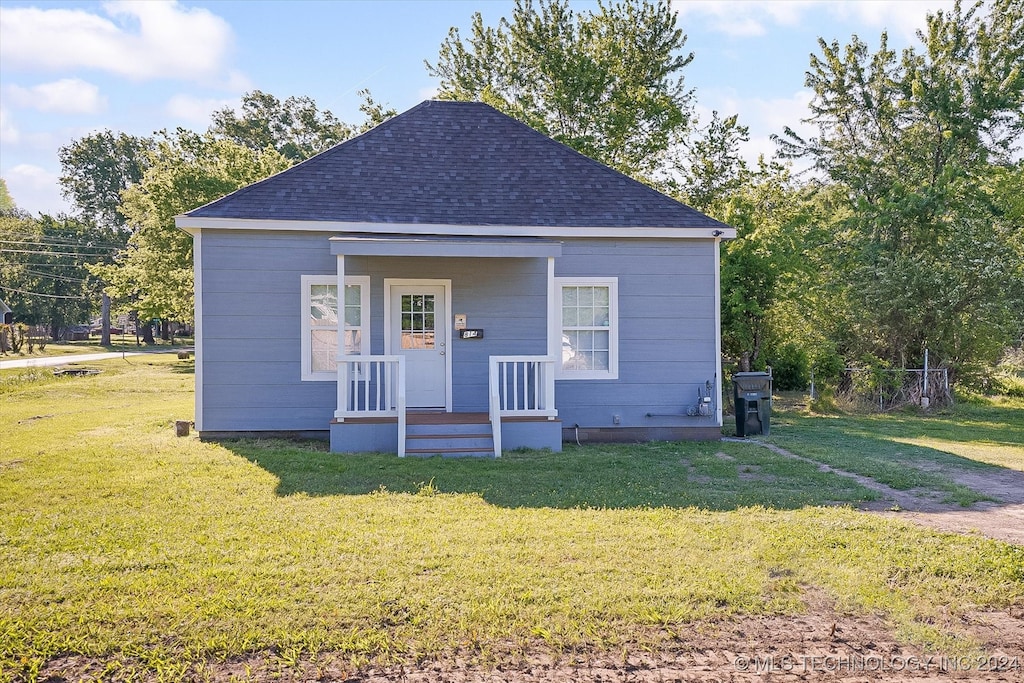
588,327
320,323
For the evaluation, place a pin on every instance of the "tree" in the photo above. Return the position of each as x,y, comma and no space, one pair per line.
922,147
296,128
775,219
6,201
710,168
186,170
97,168
44,271
608,83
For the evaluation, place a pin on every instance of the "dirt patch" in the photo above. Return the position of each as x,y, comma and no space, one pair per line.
820,644
1003,519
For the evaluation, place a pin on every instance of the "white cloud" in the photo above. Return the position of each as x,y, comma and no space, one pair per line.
35,189
901,19
66,96
193,109
138,40
745,18
764,117
9,133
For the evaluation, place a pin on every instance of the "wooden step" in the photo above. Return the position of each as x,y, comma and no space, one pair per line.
449,451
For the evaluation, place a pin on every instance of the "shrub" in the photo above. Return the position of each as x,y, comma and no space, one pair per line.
790,367
1008,384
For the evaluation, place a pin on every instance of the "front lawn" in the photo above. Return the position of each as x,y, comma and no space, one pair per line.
156,555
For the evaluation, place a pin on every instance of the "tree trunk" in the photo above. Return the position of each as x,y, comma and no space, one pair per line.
147,332
165,329
105,321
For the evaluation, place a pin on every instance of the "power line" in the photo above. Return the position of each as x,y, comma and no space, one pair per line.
48,296
85,244
49,253
46,265
51,276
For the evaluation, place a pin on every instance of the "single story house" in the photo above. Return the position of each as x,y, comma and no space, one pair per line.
453,281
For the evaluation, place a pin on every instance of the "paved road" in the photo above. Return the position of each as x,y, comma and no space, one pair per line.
49,361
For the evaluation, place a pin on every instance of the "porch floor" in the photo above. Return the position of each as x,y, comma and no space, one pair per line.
440,417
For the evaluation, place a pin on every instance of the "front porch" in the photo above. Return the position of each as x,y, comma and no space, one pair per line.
434,389
373,415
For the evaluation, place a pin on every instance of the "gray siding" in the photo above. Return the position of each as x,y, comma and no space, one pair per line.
251,345
251,329
666,333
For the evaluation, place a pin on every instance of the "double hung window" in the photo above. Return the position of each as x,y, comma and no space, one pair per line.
320,318
588,327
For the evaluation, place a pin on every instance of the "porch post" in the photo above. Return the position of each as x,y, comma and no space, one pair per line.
554,336
340,355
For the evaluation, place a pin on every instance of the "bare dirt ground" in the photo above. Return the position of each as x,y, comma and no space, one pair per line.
820,645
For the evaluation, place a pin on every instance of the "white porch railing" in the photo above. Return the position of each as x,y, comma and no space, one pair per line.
373,386
520,386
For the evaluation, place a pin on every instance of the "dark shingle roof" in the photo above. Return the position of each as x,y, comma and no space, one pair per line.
455,163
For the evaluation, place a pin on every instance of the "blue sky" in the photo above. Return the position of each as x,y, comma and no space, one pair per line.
71,68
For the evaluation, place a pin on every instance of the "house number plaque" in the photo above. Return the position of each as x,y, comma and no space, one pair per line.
471,334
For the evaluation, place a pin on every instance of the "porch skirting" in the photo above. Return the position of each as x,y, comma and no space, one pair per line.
380,434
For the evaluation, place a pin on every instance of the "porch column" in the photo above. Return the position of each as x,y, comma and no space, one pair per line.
554,335
340,355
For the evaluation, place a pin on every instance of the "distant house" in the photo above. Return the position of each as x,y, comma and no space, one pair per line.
453,281
6,316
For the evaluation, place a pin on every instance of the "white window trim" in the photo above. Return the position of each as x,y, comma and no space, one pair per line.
612,283
307,330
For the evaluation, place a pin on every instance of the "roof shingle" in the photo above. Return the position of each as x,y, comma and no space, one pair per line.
455,163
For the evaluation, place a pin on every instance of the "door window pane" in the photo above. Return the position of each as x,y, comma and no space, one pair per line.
417,321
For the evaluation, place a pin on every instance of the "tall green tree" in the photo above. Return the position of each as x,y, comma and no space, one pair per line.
923,146
607,83
185,170
97,168
296,127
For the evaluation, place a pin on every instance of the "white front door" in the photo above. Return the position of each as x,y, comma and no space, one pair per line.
418,329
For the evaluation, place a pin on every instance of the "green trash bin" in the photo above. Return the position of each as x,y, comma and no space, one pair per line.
752,392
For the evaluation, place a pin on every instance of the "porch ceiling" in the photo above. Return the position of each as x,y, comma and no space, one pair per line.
438,246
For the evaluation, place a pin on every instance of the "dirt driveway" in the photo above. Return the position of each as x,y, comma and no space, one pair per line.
1003,520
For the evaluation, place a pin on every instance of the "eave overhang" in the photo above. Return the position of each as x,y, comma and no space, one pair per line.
438,246
192,225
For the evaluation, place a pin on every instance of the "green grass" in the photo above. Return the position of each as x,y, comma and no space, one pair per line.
911,450
156,554
714,476
117,345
